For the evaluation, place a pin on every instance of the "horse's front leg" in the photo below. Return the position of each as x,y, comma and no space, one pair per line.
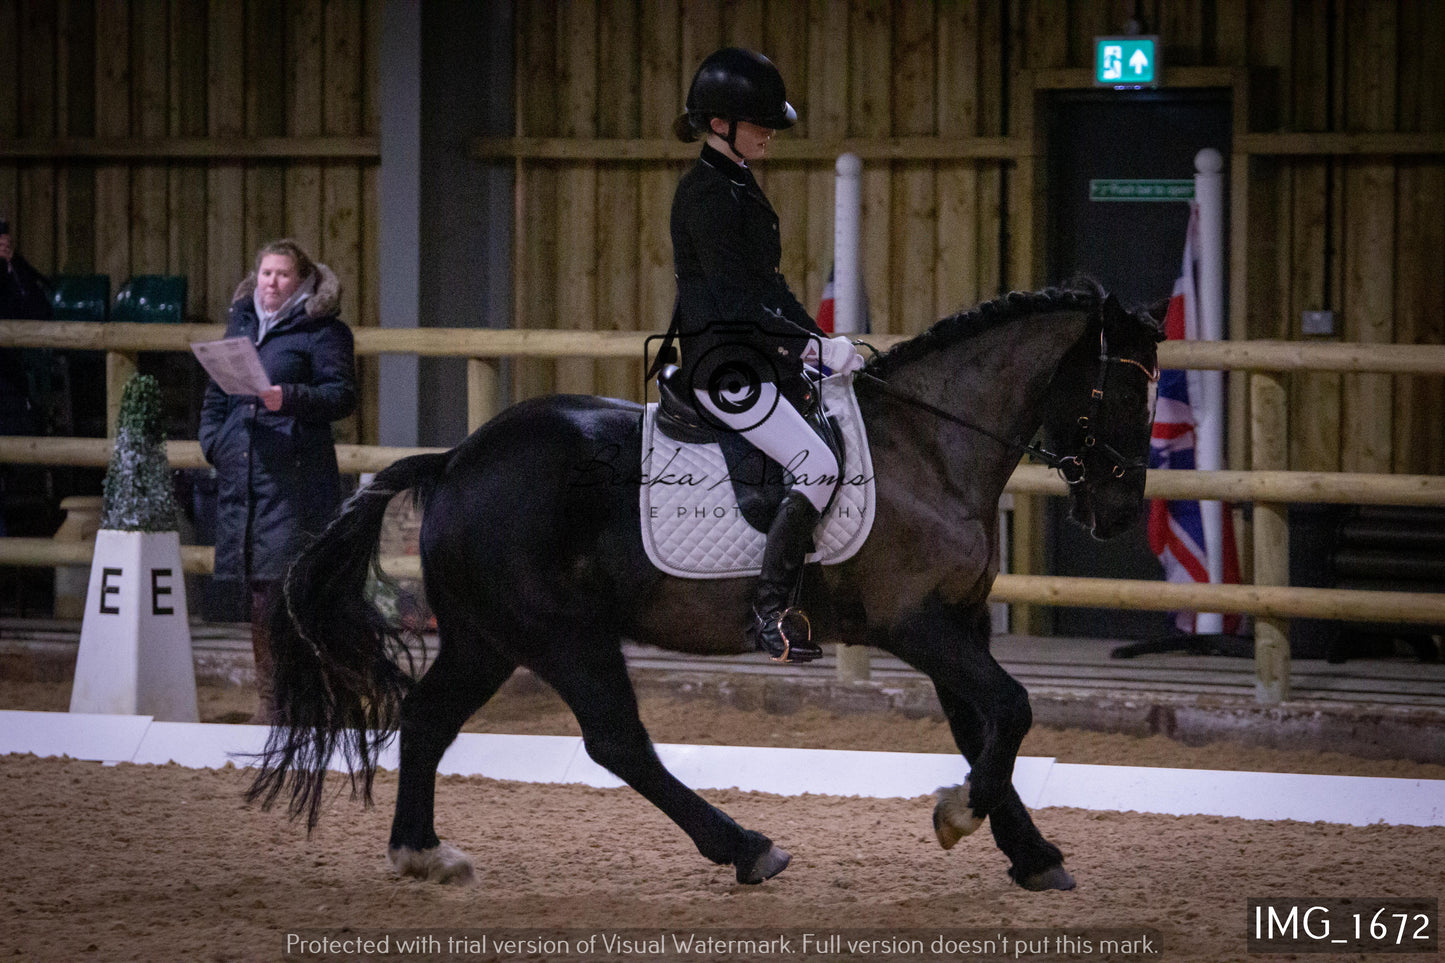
1036,863
949,644
989,715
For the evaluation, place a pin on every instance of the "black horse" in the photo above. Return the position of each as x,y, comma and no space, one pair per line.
531,561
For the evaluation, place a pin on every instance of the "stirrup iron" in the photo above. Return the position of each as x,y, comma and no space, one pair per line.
791,649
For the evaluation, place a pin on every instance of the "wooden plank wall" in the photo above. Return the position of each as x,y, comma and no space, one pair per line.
155,69
1361,235
1419,303
592,247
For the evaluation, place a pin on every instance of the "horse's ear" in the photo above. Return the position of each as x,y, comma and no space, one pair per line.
1156,314
1115,318
1119,324
1158,310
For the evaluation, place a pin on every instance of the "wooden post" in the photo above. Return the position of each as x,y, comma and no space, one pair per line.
481,392
1026,541
1027,558
1270,449
81,522
853,664
120,366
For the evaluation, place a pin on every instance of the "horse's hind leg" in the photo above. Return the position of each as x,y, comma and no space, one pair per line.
466,673
596,687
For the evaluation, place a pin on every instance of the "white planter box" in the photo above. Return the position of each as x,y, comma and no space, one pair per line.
135,640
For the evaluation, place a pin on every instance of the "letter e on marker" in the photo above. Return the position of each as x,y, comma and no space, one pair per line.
107,589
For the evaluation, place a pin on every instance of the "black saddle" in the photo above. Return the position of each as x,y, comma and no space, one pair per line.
758,481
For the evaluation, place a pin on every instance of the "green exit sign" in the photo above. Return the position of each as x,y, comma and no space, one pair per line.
1126,61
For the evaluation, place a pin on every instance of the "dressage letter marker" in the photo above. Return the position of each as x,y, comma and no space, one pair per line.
135,642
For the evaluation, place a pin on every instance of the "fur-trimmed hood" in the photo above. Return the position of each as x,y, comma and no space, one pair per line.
326,299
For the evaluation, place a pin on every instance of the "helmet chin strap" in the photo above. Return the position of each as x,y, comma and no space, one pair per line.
730,139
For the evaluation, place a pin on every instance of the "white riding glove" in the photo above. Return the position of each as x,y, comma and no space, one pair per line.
840,357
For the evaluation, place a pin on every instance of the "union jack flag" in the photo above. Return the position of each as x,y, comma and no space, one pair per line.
1176,528
825,305
825,309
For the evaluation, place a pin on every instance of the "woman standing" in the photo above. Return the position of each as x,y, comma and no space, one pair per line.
742,333
273,453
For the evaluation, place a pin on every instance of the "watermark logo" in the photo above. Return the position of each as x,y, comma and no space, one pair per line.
727,372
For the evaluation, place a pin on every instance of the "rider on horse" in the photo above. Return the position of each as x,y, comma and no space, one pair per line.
744,337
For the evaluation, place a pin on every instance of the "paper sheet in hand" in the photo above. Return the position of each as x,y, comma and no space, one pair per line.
234,364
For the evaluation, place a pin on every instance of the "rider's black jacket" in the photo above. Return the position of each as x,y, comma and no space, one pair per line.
733,303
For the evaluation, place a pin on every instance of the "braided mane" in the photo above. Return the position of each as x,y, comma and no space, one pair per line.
1078,294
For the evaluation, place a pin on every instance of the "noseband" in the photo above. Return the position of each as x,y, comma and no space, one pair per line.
1071,468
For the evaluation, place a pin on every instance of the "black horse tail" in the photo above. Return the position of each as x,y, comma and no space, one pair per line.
341,667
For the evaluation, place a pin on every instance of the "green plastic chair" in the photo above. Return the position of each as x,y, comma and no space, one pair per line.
80,297
151,299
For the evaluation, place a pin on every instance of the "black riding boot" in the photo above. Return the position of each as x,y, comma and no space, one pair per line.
779,628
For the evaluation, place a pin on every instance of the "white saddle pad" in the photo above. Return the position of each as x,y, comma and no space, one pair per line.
692,526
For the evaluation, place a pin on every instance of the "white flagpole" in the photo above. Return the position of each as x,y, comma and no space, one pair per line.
847,284
853,660
1209,409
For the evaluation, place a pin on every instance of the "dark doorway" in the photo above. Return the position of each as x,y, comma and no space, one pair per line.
1135,249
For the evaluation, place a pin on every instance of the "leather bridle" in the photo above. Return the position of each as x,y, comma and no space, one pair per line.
1071,468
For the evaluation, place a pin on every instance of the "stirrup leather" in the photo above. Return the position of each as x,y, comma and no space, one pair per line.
806,651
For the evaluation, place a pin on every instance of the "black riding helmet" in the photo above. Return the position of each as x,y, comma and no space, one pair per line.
735,84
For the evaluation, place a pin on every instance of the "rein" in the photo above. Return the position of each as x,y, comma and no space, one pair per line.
1071,468
1053,460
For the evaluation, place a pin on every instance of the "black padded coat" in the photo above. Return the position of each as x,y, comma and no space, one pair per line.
277,471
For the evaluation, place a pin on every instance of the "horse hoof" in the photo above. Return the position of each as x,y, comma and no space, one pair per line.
765,865
440,864
952,819
1055,877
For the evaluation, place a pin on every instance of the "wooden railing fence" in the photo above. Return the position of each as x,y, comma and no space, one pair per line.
1268,484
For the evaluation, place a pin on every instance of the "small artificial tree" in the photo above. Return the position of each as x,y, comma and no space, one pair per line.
138,495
